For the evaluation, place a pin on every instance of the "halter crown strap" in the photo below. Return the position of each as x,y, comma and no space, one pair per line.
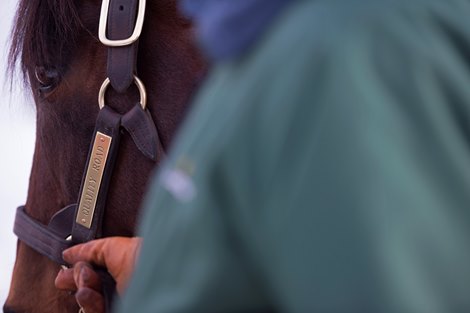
121,23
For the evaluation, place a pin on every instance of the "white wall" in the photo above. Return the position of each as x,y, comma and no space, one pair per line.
16,151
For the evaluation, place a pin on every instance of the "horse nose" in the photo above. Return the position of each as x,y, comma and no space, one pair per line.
7,310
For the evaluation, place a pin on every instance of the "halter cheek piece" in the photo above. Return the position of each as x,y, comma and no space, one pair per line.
120,26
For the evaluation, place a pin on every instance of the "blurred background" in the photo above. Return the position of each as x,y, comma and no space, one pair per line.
16,149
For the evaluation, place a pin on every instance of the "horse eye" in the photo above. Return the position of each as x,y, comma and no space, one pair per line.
47,78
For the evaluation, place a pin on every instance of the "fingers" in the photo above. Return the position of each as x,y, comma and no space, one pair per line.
90,300
117,254
65,281
87,284
104,252
85,277
80,276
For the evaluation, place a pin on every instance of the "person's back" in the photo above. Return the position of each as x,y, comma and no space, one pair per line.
325,169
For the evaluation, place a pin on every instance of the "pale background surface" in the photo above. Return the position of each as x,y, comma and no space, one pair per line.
16,151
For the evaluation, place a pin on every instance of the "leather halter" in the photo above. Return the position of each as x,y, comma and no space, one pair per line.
120,26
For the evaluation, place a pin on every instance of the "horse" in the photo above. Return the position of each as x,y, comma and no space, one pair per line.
64,63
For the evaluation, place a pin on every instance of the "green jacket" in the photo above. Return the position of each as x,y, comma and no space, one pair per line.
326,170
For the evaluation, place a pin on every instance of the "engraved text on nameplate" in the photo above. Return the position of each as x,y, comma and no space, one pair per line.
94,175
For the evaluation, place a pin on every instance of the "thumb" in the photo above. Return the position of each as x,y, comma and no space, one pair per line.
92,252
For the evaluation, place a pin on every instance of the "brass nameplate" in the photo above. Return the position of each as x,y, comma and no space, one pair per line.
94,175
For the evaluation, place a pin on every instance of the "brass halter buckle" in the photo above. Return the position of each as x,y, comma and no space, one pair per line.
137,81
122,42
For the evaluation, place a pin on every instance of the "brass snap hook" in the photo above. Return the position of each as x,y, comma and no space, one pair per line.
139,84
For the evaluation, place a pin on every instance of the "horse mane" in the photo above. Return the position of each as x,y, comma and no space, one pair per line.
44,33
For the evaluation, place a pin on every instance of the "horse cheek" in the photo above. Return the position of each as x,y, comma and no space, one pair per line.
32,289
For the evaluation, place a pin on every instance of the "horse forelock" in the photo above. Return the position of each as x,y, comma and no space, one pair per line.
44,32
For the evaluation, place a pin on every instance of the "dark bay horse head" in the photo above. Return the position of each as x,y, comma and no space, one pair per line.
55,43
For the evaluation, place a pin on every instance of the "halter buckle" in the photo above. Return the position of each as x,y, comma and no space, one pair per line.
121,42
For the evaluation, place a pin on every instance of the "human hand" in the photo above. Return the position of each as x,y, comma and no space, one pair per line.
117,254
